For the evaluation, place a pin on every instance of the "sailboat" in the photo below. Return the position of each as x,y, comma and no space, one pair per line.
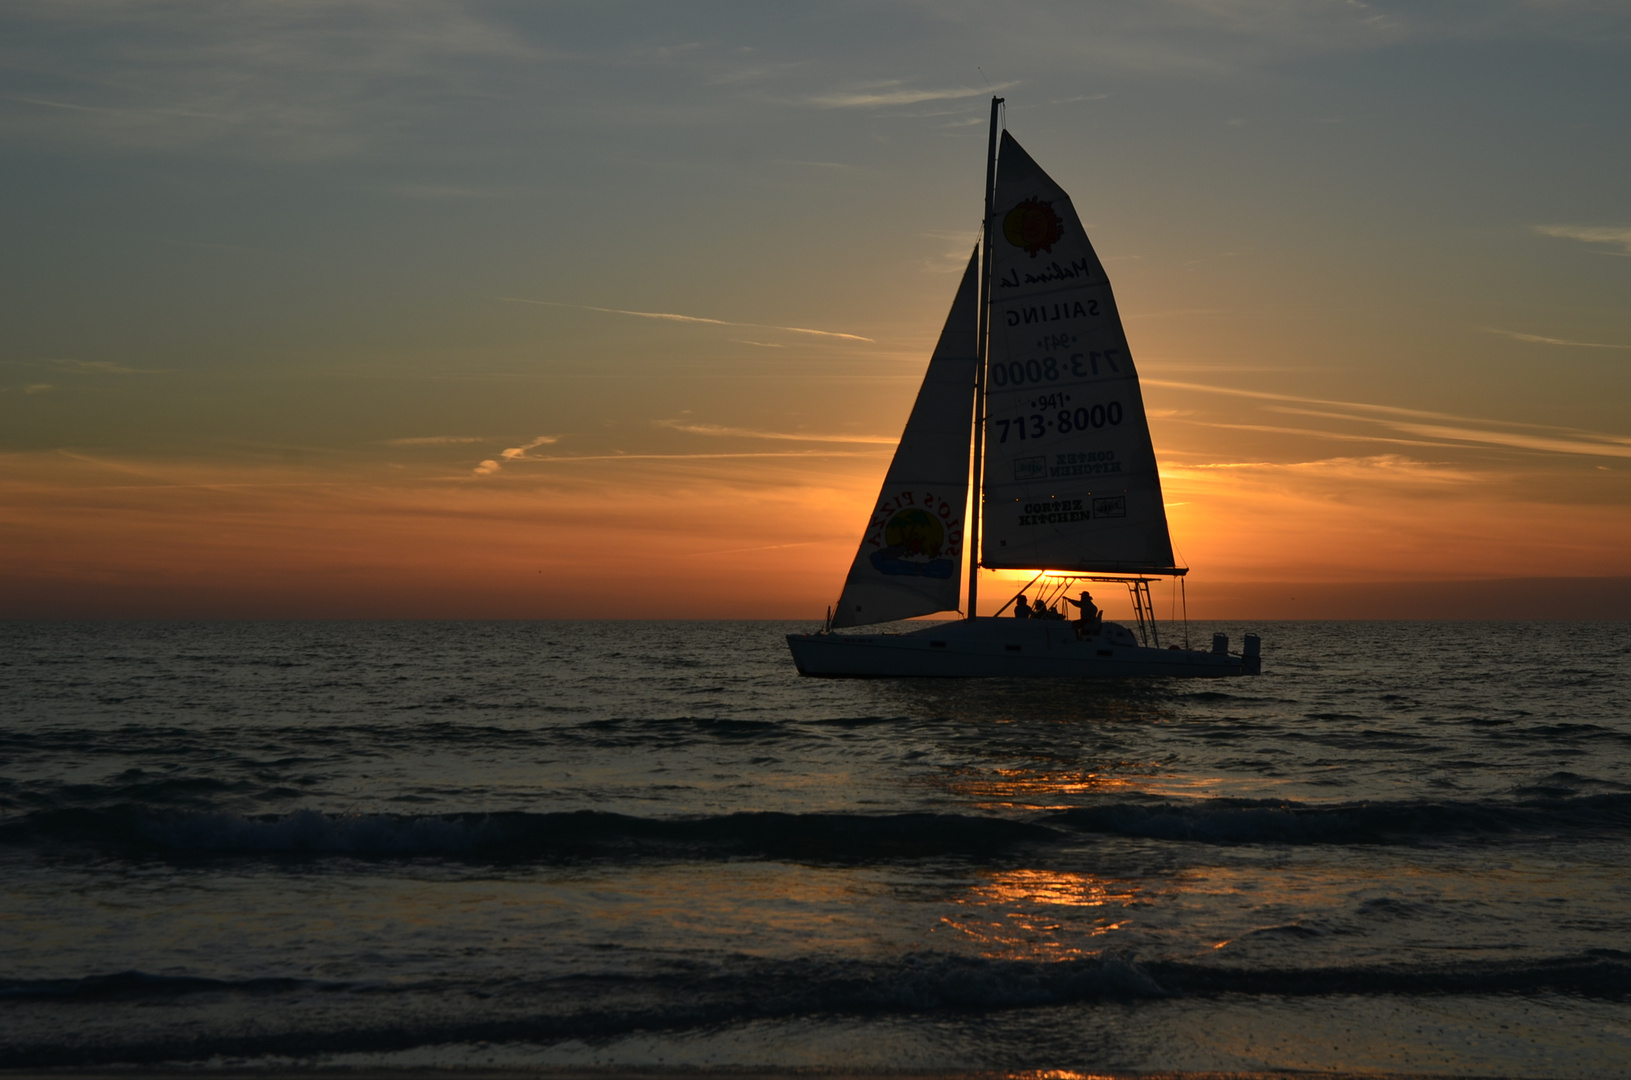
1032,398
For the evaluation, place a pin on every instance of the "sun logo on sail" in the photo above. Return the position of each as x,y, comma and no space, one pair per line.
1034,226
913,542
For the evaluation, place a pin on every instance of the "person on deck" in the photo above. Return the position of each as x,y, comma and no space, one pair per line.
1091,618
1022,607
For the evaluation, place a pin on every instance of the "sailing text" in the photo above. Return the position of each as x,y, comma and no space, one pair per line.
1043,313
1055,512
1065,511
1102,461
1078,268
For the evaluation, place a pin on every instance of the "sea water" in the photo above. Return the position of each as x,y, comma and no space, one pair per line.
1406,847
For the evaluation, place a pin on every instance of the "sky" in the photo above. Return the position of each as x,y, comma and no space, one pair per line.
532,310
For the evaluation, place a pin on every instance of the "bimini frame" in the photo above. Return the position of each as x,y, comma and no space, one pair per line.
1058,584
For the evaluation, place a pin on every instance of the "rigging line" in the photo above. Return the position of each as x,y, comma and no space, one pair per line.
1185,594
983,327
1019,594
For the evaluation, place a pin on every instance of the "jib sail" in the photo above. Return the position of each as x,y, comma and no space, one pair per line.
912,552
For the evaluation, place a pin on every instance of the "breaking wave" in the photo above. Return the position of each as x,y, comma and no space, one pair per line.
590,1007
520,836
1245,821
930,981
138,831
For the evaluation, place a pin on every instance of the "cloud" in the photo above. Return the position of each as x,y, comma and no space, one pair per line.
901,96
1387,468
1591,234
758,73
202,246
1370,515
813,164
103,367
793,436
436,440
450,192
520,451
574,458
671,317
1439,429
37,388
514,453
1537,339
1593,446
113,111
762,547
1312,433
290,81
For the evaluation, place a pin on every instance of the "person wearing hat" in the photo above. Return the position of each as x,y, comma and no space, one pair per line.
1091,618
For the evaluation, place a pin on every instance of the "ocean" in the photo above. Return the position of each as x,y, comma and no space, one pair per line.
1405,848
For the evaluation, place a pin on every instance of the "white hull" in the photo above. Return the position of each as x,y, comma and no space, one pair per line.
1005,647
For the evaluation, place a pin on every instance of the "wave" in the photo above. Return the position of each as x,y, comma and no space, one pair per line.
515,835
141,986
923,982
140,831
1595,973
593,1007
1253,821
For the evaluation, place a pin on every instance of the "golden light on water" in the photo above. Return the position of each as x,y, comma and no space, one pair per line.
1042,914
1008,788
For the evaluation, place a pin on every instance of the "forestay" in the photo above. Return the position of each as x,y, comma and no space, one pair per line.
911,554
1070,477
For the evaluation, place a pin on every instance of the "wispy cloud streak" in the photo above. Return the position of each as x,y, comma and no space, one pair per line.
762,547
1591,234
792,436
563,459
672,317
1610,446
1537,339
900,96
104,367
1449,430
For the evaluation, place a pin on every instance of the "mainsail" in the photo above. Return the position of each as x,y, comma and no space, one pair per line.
1070,478
912,551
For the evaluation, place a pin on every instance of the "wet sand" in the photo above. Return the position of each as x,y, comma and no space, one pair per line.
613,1073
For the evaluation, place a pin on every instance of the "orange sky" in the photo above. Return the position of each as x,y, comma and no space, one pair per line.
516,314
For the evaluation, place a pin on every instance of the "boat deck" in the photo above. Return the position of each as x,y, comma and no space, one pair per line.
1007,647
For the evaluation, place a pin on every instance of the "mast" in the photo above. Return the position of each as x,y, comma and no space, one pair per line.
979,368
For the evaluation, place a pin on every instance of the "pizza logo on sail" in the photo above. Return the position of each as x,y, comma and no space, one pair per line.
914,540
1034,226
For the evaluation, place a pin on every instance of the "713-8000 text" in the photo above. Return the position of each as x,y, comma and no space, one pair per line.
1050,369
1036,425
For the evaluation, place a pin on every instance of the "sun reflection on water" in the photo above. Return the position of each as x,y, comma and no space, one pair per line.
1042,914
1037,789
